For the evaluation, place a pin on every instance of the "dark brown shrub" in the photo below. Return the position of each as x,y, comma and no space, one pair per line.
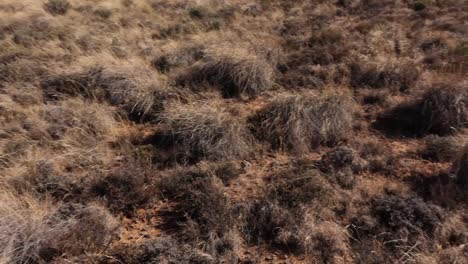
411,214
125,189
302,122
204,131
201,206
57,7
268,222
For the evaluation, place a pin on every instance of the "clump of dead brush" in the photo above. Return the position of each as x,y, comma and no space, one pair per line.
204,131
237,72
302,122
441,110
34,232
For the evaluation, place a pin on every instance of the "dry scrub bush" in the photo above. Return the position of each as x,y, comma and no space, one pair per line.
57,7
204,131
236,72
302,122
31,232
441,110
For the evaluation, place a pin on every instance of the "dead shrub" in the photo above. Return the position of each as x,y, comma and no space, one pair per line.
237,72
204,131
82,84
441,110
300,123
57,7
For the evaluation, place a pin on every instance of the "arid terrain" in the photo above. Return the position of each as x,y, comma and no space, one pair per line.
233,131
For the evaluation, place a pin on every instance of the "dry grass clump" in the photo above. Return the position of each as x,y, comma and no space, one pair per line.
441,110
236,72
341,164
444,109
83,84
325,241
443,149
302,122
205,131
32,232
76,119
57,7
397,75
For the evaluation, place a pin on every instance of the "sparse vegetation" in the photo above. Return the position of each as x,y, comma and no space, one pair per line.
215,131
